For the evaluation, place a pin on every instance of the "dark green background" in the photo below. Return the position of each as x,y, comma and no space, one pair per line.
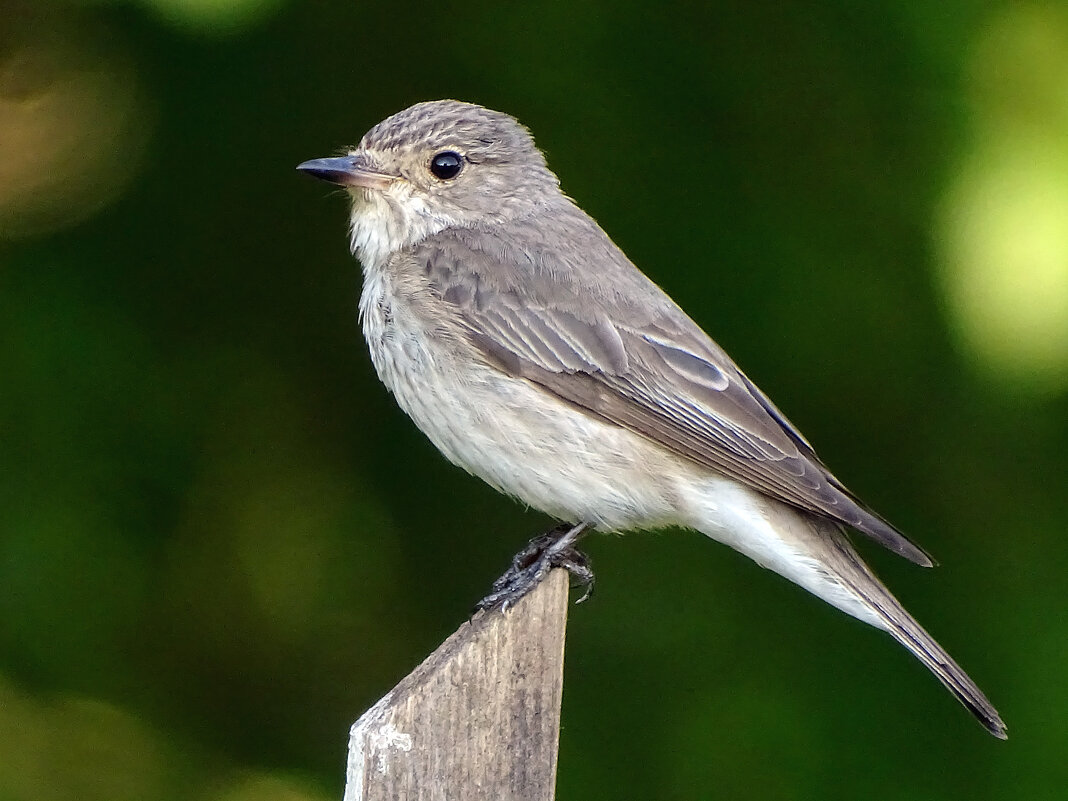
220,541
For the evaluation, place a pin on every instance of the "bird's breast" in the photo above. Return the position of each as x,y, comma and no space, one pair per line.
504,429
414,352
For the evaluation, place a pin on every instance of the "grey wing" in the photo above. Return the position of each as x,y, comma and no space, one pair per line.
662,378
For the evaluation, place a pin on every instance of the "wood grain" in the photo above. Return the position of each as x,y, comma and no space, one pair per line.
479,719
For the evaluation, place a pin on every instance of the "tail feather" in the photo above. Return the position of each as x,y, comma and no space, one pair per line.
815,552
859,578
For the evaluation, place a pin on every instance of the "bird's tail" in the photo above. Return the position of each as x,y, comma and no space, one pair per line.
858,578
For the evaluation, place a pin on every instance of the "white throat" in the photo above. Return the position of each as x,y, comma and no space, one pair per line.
384,222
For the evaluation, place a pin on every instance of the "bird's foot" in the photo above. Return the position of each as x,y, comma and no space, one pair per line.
554,548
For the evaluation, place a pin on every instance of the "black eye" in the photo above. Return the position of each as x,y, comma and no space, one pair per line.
446,165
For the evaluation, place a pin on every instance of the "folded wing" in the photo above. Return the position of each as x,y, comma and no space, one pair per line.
658,375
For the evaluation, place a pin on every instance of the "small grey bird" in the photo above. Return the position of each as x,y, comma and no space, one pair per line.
536,356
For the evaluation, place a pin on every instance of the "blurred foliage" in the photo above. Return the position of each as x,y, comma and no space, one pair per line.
219,539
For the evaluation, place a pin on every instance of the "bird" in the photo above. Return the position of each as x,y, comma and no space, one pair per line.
535,355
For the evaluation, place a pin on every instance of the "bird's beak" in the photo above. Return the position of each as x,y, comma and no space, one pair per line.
347,171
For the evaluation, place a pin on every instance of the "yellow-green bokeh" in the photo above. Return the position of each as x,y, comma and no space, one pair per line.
1004,225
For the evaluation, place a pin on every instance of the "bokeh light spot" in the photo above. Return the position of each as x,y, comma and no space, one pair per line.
76,748
1004,227
72,125
214,16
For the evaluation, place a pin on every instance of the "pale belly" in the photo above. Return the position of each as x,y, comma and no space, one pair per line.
512,434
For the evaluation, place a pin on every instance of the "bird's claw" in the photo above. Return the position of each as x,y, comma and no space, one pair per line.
555,548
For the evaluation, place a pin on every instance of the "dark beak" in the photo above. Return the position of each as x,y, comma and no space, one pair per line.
347,171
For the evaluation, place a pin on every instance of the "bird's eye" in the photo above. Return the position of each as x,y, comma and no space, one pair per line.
446,165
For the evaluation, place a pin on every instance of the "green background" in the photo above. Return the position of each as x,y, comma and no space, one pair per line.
220,541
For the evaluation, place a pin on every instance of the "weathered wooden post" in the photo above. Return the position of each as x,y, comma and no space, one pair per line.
479,719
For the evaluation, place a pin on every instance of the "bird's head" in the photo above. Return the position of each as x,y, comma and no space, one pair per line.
433,166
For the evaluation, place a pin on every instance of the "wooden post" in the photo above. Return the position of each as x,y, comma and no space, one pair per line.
479,719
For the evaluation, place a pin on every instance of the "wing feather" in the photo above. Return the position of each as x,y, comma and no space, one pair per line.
657,374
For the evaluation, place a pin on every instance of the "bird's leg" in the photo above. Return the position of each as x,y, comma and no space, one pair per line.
554,548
